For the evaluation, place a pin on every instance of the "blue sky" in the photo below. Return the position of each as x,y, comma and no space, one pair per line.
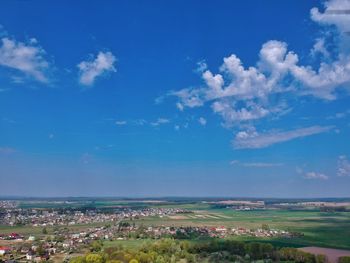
175,98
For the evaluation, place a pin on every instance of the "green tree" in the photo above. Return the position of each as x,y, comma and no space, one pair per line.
77,260
321,259
344,260
96,246
94,258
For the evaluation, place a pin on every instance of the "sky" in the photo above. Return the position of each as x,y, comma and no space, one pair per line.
175,98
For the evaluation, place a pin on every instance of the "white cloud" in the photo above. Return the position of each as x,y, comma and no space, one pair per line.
202,121
27,58
251,139
177,127
339,115
336,14
91,69
315,176
256,164
180,106
262,164
160,121
319,48
201,66
343,166
140,122
232,116
245,94
120,123
188,98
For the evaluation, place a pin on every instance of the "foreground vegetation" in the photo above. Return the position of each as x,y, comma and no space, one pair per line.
170,250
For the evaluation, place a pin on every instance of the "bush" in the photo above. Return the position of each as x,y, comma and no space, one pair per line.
344,260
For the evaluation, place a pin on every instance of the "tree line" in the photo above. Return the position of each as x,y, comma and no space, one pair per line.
175,251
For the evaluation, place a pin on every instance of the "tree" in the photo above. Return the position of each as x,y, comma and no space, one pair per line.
321,259
77,260
40,250
96,246
344,260
265,227
94,258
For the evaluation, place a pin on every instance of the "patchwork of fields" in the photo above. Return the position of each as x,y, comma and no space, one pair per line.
321,229
325,229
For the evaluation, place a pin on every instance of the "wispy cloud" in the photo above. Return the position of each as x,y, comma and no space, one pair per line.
251,139
28,58
343,168
91,69
339,115
256,164
202,121
120,123
315,176
160,121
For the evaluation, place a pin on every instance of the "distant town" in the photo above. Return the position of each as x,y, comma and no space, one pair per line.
59,230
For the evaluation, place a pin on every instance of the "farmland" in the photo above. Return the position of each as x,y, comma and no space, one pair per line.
322,229
328,229
133,223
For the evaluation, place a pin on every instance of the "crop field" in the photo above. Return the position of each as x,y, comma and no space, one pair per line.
321,229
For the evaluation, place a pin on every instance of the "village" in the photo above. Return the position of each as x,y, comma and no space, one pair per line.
63,243
65,217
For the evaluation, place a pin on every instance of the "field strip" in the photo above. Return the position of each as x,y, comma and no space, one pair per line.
214,216
223,216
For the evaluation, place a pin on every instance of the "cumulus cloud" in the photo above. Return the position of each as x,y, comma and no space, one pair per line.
28,58
277,71
315,176
231,116
336,14
343,166
91,69
320,48
202,121
251,139
242,95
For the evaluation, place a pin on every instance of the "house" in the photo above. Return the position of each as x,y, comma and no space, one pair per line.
30,255
4,250
14,236
31,238
221,229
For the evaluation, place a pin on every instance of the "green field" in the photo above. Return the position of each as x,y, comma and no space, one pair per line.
319,228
